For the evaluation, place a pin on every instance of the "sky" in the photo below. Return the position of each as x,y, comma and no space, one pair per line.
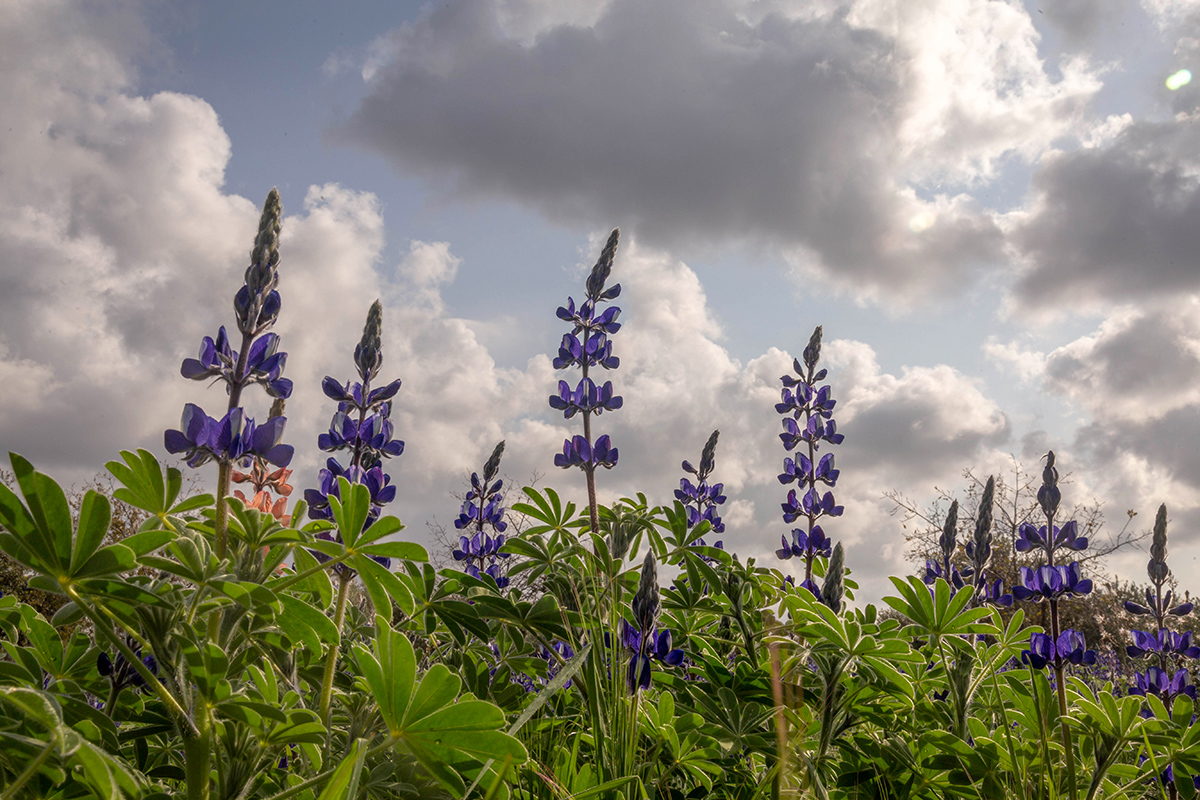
992,207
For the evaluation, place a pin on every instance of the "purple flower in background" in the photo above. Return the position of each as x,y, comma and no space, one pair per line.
1165,644
481,508
700,500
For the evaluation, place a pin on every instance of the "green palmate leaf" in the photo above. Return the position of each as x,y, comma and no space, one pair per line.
112,560
410,551
318,582
143,484
426,719
192,504
147,541
351,510
107,776
386,526
33,704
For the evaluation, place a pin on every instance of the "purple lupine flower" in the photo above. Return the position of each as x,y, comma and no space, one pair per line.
578,453
1052,582
216,359
700,500
362,426
481,508
806,544
1165,641
1155,681
1071,647
120,672
235,439
808,425
956,578
1030,537
994,593
588,346
657,647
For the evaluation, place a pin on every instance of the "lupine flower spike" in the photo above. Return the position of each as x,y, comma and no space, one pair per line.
481,509
1054,583
947,546
979,552
235,439
808,421
362,427
642,639
588,346
1171,677
700,500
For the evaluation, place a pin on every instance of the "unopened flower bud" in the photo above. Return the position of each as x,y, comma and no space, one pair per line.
493,463
645,602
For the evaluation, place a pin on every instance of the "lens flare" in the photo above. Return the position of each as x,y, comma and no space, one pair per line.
1179,79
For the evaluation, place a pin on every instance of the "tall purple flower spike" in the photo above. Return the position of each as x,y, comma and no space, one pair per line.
808,424
1169,648
588,346
481,509
361,426
235,438
701,500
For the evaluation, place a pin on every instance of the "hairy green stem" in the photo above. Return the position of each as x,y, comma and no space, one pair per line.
331,657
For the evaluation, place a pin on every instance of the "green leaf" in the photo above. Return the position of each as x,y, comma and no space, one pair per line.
303,622
409,551
192,503
147,541
95,514
387,582
111,561
343,784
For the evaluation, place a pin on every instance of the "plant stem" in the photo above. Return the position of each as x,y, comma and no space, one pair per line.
151,679
111,704
331,657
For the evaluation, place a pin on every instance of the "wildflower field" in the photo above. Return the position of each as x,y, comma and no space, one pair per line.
255,644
